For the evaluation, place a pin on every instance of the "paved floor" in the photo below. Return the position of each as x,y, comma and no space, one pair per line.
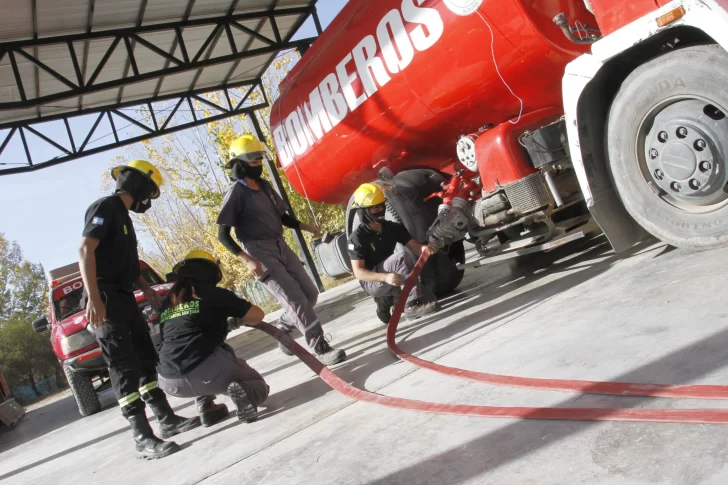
653,315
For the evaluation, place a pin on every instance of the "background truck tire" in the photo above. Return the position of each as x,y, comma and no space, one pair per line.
83,391
668,118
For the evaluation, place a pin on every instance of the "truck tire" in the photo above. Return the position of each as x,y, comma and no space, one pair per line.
667,146
83,391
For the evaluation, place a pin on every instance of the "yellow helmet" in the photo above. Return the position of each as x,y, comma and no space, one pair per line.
145,168
368,195
245,148
201,255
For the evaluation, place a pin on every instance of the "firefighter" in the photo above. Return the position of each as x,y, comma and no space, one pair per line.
380,269
194,360
258,215
109,265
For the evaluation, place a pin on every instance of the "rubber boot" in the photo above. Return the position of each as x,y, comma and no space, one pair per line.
169,423
210,412
285,330
418,309
329,355
246,410
148,446
384,308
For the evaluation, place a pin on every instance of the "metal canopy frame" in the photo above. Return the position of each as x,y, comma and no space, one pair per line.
21,117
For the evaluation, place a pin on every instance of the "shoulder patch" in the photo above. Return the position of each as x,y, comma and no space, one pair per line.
351,247
97,221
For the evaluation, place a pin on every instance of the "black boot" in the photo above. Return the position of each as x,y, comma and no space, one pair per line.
210,412
169,423
329,355
148,446
384,308
246,410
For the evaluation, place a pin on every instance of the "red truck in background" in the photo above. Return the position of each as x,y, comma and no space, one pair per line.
75,346
520,119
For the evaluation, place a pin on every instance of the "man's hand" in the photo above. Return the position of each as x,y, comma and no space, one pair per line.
432,247
255,267
153,298
315,230
96,312
394,279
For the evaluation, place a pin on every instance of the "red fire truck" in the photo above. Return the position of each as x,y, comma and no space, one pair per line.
76,348
511,122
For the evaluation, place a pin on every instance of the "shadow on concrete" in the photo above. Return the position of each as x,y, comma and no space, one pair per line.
521,438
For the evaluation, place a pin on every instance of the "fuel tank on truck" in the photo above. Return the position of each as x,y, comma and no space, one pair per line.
397,82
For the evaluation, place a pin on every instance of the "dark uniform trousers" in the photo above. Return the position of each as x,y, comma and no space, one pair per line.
129,352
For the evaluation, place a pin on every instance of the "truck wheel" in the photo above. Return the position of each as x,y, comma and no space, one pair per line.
667,144
83,391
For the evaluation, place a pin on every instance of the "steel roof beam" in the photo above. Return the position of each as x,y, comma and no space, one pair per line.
29,165
125,39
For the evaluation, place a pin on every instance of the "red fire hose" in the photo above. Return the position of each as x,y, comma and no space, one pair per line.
704,416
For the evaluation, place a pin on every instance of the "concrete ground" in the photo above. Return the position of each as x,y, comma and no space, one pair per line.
653,315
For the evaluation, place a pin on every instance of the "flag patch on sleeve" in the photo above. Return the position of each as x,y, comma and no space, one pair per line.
97,221
351,247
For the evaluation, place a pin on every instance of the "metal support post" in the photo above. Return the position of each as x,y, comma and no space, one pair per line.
297,234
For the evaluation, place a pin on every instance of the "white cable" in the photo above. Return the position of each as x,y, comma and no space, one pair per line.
495,63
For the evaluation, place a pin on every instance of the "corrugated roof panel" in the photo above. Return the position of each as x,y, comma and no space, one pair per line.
17,22
18,114
177,82
114,67
216,8
291,4
58,58
148,60
286,24
194,38
58,107
8,91
253,6
101,98
221,48
57,17
92,56
27,74
140,90
213,75
49,84
115,14
249,69
158,11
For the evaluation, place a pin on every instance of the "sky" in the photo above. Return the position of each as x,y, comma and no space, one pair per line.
43,211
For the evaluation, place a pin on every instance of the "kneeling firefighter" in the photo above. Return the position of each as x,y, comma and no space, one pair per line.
258,215
109,265
194,360
380,269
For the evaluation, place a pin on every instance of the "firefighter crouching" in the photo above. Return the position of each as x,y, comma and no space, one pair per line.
109,265
194,360
258,215
380,269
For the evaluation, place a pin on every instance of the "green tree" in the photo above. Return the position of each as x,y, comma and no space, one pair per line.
25,356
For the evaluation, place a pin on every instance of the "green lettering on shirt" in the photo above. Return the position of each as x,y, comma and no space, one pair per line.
181,310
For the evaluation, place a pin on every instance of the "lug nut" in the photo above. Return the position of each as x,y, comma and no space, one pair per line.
705,166
662,136
653,154
700,145
659,175
694,184
675,186
682,132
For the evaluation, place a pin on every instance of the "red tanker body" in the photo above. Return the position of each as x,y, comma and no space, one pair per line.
524,118
433,79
